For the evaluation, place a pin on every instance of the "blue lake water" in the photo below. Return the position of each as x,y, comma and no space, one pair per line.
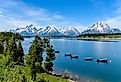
87,71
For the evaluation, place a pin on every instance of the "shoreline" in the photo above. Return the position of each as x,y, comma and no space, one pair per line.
97,39
73,78
65,75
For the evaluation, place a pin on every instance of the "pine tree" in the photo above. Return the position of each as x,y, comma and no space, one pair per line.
32,66
20,52
37,45
46,42
1,48
35,52
50,57
13,50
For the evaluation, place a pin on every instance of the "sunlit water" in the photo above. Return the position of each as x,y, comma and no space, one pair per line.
92,71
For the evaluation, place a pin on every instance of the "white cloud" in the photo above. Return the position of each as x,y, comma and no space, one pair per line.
6,23
58,17
15,13
112,16
114,22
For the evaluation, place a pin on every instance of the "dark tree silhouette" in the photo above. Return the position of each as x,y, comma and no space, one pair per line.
20,52
50,57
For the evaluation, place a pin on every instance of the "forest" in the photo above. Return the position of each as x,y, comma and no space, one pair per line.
16,66
103,36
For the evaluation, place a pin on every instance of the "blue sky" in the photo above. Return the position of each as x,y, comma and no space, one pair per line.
60,13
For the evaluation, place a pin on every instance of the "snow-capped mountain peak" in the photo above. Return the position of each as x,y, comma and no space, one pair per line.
99,28
70,32
50,31
26,31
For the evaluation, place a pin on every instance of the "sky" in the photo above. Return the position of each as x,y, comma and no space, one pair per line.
59,13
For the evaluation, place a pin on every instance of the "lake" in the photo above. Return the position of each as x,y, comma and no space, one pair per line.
88,71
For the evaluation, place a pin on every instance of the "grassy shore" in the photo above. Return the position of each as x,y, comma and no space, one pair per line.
19,73
99,37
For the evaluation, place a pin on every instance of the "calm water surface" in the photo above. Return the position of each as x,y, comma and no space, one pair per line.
102,72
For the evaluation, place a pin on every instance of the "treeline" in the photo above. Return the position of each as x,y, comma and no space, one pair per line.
15,66
7,36
103,35
6,39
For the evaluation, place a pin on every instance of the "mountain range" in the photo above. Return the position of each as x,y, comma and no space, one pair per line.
97,28
48,31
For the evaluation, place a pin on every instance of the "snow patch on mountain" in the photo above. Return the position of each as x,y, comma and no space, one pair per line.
50,31
100,28
26,31
47,31
70,32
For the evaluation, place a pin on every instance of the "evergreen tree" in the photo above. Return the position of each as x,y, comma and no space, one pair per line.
20,52
50,57
1,48
14,72
6,47
32,66
46,42
36,58
13,50
38,47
